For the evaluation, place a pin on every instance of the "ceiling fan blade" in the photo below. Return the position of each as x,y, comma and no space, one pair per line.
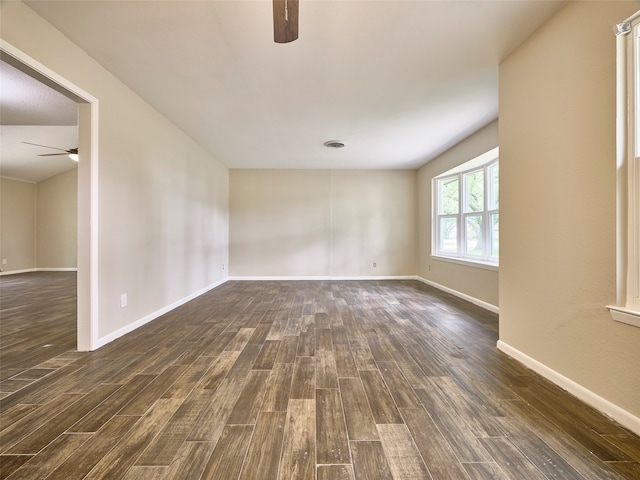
47,146
285,20
71,151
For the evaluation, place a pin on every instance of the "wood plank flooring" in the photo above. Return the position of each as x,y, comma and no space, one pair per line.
38,324
326,380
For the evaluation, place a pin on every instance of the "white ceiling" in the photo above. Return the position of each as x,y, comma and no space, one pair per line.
33,112
26,101
22,162
398,81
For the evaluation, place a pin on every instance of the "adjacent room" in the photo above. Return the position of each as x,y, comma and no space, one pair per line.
38,223
319,240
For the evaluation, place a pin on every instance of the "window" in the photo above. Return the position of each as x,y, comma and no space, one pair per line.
627,308
467,219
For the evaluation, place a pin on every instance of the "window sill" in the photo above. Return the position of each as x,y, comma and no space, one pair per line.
625,315
467,262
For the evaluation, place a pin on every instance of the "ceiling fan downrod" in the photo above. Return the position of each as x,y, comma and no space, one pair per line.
285,20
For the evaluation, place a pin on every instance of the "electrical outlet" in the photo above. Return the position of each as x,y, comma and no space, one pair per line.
4,261
429,267
374,265
223,266
123,300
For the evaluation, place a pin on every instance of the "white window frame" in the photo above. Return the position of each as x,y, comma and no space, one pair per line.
627,308
481,163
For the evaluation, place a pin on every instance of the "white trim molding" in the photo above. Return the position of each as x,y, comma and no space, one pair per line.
464,296
623,417
31,270
101,341
627,307
15,272
57,269
625,315
494,267
88,106
316,277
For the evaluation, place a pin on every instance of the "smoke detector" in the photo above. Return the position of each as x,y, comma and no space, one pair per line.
334,144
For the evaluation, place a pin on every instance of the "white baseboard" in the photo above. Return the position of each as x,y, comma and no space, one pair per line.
318,277
464,296
31,270
623,417
56,269
152,316
15,272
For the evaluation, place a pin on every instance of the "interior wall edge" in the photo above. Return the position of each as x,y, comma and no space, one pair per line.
130,327
464,296
620,415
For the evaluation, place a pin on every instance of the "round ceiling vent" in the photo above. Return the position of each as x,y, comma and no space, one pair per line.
334,144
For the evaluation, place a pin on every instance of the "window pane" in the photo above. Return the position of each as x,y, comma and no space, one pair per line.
474,234
494,185
449,196
474,191
495,237
465,218
448,235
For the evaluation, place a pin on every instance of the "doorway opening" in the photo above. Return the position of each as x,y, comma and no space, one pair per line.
87,182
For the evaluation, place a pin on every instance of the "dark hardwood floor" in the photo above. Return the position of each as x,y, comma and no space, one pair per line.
326,380
37,324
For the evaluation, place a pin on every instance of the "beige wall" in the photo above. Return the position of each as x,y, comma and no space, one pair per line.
373,220
39,223
476,282
17,224
322,223
57,220
163,200
280,222
558,179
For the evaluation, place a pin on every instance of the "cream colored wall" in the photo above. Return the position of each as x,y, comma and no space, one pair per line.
163,200
17,224
322,223
57,220
373,220
557,189
476,282
279,223
39,223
